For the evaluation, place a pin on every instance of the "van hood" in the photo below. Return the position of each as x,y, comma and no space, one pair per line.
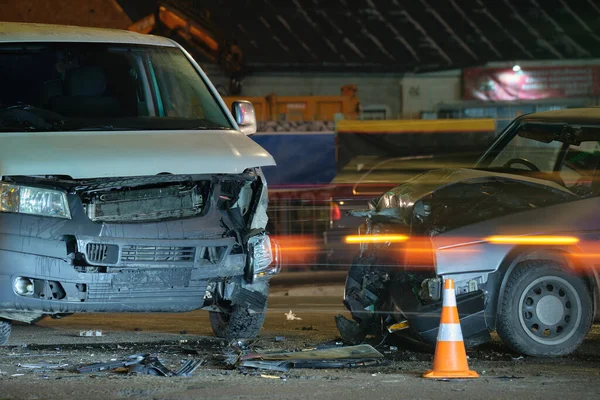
98,154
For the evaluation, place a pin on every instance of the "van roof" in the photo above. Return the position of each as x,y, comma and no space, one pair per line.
16,32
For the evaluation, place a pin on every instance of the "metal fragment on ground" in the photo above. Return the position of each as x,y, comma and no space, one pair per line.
43,365
189,367
280,366
111,365
330,353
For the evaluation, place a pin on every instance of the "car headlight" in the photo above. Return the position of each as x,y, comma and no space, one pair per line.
34,201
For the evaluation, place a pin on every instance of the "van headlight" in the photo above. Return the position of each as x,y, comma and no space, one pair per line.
265,255
34,201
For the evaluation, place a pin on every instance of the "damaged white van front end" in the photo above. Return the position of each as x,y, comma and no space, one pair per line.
126,185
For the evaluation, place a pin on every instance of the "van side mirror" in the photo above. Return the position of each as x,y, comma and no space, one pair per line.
245,116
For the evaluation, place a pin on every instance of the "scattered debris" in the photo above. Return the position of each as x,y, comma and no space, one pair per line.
189,350
146,364
308,328
107,366
90,332
189,367
283,366
43,365
329,353
397,326
520,358
509,378
291,316
323,358
350,331
280,338
239,344
269,376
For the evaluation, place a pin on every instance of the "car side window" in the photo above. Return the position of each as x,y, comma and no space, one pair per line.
581,164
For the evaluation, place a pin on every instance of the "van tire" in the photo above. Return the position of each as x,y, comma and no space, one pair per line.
5,328
546,310
240,323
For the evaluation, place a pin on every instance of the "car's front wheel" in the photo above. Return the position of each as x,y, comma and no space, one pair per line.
5,328
546,309
239,323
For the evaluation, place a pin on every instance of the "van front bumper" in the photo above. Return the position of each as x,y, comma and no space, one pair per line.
173,282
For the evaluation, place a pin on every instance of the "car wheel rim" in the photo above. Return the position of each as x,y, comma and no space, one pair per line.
550,310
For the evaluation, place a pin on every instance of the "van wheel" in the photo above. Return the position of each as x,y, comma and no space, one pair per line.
546,311
237,324
5,328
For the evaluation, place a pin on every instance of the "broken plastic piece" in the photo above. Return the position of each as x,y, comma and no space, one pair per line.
397,326
330,353
90,332
350,331
280,366
111,365
141,364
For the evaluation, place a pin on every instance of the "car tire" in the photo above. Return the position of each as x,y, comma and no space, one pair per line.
5,328
240,323
545,311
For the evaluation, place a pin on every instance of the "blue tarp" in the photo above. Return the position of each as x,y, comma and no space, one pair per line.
303,158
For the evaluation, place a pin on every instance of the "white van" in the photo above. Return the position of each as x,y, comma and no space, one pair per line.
125,183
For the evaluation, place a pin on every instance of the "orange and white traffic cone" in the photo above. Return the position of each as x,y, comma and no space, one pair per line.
450,359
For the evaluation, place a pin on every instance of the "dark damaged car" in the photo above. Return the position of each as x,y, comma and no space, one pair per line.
518,233
126,184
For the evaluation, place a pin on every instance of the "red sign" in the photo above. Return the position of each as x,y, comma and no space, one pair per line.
502,84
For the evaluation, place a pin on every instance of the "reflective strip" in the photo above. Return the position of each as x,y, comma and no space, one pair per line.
450,333
449,298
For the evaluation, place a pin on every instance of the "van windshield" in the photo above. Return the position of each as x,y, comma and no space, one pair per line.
96,86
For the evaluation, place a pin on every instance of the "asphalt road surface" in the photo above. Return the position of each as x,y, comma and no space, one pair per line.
503,374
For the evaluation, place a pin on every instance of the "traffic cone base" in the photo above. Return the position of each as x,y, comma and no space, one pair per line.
451,375
450,359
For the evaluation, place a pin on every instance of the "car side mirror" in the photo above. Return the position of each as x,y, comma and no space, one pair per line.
245,116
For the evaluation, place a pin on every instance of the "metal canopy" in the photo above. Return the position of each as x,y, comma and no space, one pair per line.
398,35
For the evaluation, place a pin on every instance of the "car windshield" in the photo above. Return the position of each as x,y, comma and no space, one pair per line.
95,86
544,152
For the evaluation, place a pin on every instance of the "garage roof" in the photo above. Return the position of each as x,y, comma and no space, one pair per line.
400,35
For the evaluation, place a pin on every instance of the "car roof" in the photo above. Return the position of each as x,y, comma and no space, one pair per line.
16,32
571,116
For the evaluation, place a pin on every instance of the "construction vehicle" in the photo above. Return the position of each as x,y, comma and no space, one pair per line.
304,108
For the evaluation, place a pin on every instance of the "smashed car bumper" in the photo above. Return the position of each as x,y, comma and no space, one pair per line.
424,320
